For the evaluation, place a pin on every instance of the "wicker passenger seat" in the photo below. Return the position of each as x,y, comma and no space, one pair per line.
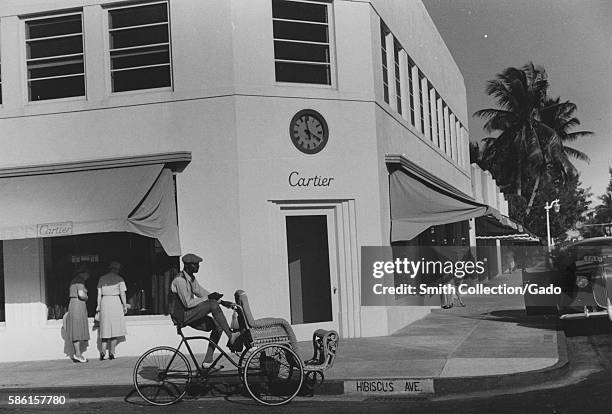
264,330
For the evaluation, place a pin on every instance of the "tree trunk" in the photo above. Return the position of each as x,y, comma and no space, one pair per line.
533,193
519,190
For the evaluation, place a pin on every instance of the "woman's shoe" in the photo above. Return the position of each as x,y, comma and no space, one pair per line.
102,356
111,356
79,359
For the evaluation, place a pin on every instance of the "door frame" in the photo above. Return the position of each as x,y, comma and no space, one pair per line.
343,256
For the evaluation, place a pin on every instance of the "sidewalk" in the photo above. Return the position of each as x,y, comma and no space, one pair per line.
490,343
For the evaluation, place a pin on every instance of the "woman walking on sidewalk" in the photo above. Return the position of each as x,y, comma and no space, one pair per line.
77,326
112,307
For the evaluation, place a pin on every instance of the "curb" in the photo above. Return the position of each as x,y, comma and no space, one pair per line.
460,385
442,386
457,385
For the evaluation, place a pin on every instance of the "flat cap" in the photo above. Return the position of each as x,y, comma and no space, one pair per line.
191,258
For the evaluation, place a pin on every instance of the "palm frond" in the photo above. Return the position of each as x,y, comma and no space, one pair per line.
574,153
573,136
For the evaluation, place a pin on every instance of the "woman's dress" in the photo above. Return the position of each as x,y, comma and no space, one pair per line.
77,326
112,319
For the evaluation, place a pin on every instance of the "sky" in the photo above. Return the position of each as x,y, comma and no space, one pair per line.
571,39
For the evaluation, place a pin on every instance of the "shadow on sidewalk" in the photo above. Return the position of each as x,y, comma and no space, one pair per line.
518,317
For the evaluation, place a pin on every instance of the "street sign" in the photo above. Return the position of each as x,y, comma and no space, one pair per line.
395,386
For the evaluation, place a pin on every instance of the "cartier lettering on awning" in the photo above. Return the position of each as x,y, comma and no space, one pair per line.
136,196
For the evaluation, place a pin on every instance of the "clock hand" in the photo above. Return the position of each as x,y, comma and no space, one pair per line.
312,134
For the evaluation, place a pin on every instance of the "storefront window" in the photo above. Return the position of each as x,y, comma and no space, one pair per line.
146,269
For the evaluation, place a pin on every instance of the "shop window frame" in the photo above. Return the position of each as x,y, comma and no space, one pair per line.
58,298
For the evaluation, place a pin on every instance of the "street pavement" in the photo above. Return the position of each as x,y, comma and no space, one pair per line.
488,344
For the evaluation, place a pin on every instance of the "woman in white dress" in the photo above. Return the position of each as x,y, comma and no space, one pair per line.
112,307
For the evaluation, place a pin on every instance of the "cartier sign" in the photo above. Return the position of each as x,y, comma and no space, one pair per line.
55,229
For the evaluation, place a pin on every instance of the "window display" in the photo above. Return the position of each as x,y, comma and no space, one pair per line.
145,267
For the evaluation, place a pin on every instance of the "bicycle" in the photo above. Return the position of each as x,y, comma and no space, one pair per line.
269,367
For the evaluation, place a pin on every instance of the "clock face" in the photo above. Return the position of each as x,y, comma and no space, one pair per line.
308,131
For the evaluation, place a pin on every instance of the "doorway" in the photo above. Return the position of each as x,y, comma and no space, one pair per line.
311,266
308,259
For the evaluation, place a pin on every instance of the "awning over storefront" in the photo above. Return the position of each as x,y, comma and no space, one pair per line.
503,228
136,197
517,237
418,202
496,226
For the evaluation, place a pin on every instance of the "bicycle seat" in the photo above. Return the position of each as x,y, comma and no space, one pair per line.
179,326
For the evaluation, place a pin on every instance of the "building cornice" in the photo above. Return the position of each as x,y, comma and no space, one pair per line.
176,161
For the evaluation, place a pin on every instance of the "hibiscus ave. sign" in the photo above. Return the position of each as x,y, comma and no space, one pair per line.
407,386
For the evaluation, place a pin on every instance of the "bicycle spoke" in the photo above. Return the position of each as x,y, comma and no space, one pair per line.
161,376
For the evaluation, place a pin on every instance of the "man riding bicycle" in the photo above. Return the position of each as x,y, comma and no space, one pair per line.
196,303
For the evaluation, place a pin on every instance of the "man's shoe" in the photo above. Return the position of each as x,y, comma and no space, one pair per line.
233,343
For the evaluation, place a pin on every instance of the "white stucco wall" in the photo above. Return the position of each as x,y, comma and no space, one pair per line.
226,108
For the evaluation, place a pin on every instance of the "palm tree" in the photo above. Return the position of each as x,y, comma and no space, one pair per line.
476,155
603,212
557,118
532,131
519,94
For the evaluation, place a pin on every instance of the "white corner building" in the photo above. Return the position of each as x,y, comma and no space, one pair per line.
262,135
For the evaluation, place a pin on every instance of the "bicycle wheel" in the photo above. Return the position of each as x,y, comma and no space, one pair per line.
161,375
242,360
273,374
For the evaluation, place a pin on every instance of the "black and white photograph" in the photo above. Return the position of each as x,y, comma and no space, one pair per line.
306,206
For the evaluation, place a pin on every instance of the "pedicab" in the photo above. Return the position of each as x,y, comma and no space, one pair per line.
268,365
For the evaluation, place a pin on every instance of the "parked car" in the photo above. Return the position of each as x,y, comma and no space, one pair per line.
585,272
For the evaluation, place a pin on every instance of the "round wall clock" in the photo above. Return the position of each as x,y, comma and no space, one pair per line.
308,131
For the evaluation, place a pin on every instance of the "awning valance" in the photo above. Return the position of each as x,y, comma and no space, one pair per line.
138,199
520,237
418,203
493,226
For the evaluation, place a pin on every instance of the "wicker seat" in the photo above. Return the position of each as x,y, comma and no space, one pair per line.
264,330
277,330
325,345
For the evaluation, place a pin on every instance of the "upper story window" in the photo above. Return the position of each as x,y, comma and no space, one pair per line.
398,85
385,67
411,92
421,99
301,41
430,115
54,57
139,43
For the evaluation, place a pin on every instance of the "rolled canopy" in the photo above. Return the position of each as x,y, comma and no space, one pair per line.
418,203
138,199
